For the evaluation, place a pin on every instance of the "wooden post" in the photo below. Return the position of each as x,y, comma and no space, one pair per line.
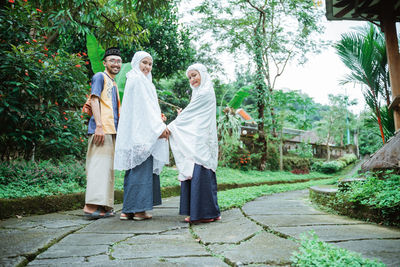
392,49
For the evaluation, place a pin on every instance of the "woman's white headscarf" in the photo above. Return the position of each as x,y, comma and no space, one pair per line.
140,123
193,136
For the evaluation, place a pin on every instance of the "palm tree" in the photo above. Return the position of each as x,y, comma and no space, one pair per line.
364,53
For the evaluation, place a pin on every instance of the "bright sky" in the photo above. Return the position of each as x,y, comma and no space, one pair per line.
321,75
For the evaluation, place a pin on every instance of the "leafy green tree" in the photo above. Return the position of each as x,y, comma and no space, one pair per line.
333,123
272,32
369,136
364,53
112,22
294,109
40,91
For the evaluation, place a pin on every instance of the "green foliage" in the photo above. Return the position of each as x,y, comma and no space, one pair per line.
294,109
113,22
292,163
333,124
229,138
334,165
376,193
120,78
303,150
369,136
22,179
240,95
348,158
364,53
314,252
95,53
40,93
168,42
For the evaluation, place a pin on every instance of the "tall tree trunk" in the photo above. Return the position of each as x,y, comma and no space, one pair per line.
260,87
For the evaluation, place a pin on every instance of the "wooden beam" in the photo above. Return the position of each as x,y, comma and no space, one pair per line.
388,20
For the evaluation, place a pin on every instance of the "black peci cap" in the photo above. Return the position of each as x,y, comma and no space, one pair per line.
112,51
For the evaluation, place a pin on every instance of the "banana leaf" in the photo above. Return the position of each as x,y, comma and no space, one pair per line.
240,95
95,53
120,79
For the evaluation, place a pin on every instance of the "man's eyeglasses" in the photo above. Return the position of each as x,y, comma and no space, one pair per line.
115,61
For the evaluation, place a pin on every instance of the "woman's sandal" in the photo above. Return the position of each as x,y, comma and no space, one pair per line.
187,219
142,216
126,216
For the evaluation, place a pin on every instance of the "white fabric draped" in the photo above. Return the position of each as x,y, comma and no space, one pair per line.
193,136
140,123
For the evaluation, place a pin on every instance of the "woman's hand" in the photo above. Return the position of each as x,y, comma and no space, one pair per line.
179,111
165,134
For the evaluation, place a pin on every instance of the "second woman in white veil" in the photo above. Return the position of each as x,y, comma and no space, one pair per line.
194,144
141,145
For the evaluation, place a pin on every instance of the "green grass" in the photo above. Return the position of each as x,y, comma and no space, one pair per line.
236,198
169,177
18,179
314,252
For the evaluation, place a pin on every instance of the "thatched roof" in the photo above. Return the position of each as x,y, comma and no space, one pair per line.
387,157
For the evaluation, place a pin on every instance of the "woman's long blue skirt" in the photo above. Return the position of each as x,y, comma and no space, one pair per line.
199,195
141,188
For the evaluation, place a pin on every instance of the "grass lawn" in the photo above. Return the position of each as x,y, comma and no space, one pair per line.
169,177
23,180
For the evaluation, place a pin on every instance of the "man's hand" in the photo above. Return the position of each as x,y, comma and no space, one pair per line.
99,136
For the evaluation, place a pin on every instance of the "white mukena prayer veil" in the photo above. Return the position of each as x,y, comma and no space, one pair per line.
140,123
193,136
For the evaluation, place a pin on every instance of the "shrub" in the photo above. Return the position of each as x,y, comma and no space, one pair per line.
314,252
334,165
382,194
40,92
348,158
316,166
292,163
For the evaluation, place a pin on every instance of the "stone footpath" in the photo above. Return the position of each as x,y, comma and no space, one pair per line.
260,234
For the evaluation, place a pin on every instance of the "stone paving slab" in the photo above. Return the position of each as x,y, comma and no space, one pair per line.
233,228
8,262
263,248
302,220
61,250
104,261
336,233
82,239
276,207
175,244
49,221
16,242
163,220
385,250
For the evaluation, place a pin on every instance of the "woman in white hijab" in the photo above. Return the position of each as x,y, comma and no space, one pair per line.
194,144
141,145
